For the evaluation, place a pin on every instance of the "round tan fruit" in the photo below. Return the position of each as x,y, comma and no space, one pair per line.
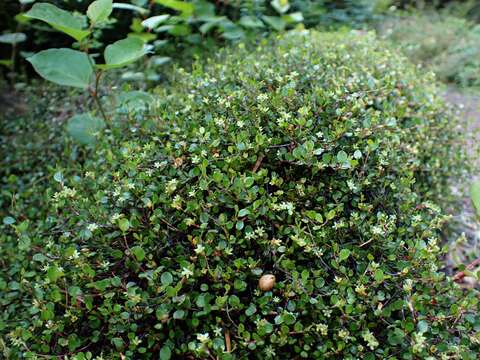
266,282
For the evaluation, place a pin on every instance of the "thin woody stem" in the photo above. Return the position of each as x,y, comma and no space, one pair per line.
96,98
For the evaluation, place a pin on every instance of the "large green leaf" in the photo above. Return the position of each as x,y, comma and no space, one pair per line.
123,52
475,196
184,7
130,7
63,66
295,17
154,21
99,10
83,127
12,38
280,5
275,22
59,19
250,22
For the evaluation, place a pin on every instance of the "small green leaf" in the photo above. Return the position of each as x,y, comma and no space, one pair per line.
344,254
39,257
12,38
58,19
58,177
8,220
123,52
251,310
249,181
275,22
243,212
54,273
124,224
422,326
166,278
99,10
357,154
250,22
179,30
118,342
82,128
204,218
231,31
74,291
378,276
5,62
239,225
138,252
179,314
295,17
342,156
130,7
154,21
184,7
165,353
63,66
475,196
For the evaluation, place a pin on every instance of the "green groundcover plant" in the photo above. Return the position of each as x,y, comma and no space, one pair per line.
446,44
310,163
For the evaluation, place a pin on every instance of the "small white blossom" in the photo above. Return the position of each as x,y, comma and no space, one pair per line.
203,338
186,272
92,227
200,249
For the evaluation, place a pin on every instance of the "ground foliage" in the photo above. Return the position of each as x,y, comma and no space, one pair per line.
445,44
322,159
182,27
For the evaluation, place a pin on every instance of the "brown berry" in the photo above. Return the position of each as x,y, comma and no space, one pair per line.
266,282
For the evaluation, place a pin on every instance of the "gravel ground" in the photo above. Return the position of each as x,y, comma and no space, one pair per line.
465,241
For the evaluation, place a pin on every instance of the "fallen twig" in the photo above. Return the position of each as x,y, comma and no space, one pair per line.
228,342
258,163
461,274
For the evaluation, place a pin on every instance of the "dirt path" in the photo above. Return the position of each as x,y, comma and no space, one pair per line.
469,105
466,247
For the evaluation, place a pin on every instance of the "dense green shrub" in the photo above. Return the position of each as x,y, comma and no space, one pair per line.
315,158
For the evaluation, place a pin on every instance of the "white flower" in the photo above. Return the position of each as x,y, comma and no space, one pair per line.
418,342
322,328
200,249
260,231
203,338
171,186
408,285
217,331
377,230
351,185
262,97
92,227
195,159
186,272
370,339
75,255
177,202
